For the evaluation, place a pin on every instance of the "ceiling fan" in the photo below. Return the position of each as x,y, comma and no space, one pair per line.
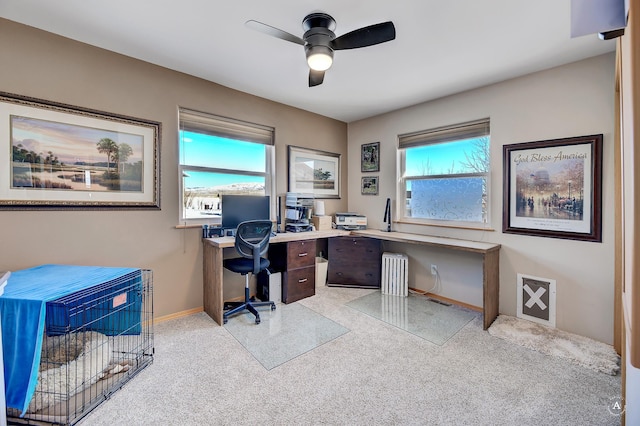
320,42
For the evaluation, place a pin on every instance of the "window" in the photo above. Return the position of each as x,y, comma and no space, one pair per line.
444,174
220,156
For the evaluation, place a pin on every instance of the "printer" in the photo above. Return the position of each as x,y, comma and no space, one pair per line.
350,221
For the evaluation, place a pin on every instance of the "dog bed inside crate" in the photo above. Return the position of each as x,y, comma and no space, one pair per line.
70,363
73,360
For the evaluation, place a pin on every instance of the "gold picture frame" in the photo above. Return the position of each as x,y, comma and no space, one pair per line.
68,157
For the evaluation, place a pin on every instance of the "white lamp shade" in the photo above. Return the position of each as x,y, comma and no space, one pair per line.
318,208
320,58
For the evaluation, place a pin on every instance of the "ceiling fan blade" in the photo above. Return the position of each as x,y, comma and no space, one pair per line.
315,78
367,36
274,32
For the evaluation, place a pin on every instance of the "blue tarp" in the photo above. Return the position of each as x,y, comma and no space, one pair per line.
23,310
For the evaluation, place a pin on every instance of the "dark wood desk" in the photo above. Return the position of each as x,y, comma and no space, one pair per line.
490,252
213,267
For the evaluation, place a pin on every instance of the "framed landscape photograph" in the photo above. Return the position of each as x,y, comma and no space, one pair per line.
369,185
553,188
314,172
370,157
61,156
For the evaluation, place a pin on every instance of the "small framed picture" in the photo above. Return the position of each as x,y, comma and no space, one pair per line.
370,157
369,185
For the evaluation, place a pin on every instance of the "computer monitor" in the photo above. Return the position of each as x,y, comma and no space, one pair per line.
240,208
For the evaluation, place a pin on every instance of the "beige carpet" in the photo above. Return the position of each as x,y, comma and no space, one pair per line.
374,375
551,341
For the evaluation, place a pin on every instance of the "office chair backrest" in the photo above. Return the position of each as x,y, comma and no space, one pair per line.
252,240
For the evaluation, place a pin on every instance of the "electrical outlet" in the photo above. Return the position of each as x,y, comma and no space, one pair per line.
434,270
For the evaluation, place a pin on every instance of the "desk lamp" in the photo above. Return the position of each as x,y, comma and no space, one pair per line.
387,215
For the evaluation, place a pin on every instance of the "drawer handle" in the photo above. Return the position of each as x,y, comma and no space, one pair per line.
339,273
302,254
368,275
303,280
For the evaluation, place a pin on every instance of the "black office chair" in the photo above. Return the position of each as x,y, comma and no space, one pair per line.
252,242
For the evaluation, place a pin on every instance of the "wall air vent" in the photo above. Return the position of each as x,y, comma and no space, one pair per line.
537,299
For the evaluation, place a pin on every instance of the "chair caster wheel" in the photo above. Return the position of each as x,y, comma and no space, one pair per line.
273,307
224,321
257,320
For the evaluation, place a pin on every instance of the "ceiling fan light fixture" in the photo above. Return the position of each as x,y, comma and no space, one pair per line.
320,41
319,58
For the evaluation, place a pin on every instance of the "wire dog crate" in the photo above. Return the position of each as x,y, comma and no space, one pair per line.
95,341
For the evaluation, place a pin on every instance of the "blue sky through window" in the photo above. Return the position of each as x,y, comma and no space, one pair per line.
197,149
441,158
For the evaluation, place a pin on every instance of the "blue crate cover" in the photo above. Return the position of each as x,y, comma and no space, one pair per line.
113,308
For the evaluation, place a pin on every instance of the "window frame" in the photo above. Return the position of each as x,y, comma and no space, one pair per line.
442,135
231,129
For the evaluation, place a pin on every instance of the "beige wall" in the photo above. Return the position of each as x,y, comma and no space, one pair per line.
45,66
572,100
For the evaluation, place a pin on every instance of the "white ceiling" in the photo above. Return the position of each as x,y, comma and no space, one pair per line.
441,47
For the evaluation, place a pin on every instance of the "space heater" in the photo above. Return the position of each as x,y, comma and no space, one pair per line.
395,279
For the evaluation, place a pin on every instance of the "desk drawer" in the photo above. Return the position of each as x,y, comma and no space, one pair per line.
354,262
354,247
298,284
301,254
352,277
